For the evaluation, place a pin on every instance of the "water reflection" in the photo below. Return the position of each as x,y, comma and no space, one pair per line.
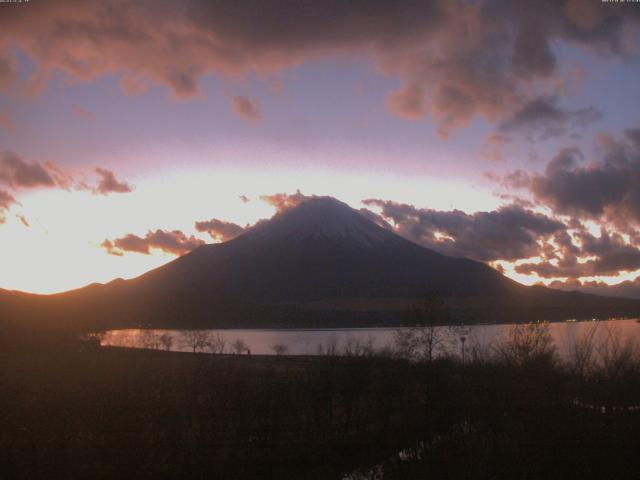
361,341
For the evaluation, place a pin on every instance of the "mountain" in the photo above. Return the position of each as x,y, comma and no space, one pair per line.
321,263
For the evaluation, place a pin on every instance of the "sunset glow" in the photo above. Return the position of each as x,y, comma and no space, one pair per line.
112,151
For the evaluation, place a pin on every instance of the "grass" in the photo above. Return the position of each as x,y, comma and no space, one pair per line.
118,413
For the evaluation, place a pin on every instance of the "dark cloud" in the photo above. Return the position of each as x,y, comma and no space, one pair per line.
564,249
17,173
456,59
174,242
109,184
607,189
608,254
509,233
516,180
545,117
246,109
220,230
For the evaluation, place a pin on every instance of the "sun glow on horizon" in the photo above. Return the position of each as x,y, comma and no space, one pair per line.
58,248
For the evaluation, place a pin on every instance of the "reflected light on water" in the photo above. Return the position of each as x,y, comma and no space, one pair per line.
340,341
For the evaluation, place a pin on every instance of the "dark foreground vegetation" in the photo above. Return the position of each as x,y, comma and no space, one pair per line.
77,411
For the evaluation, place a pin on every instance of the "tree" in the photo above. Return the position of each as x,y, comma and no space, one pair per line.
582,351
166,341
354,347
195,340
150,340
279,349
239,346
216,343
425,337
527,344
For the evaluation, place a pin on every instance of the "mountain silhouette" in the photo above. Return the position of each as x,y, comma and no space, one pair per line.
320,263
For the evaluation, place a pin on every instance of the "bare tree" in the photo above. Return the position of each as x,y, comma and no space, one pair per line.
617,356
329,349
526,344
280,349
239,346
166,340
582,351
355,347
216,343
426,336
195,340
150,339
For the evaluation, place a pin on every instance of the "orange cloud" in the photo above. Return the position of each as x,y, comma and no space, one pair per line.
6,200
283,201
109,184
220,230
174,242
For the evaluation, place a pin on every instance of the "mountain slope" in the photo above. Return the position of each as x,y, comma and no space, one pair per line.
318,264
322,249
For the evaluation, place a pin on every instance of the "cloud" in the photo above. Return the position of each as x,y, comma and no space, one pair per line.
23,220
455,59
6,119
220,230
509,233
284,201
246,109
17,173
608,254
7,70
109,184
604,189
174,242
131,85
545,117
559,248
494,145
6,200
83,113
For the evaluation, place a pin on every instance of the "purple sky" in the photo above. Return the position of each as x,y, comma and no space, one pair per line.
502,131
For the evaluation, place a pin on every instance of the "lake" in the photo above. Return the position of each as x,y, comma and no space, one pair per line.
323,341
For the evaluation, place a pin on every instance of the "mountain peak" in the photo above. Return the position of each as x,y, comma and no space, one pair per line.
321,218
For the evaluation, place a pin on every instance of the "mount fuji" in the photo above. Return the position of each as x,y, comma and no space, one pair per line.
320,264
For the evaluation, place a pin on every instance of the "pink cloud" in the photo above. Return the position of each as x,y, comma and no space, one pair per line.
174,242
246,109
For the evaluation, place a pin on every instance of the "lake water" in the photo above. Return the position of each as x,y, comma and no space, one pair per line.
322,341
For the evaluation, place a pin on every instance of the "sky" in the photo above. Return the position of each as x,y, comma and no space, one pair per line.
503,131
